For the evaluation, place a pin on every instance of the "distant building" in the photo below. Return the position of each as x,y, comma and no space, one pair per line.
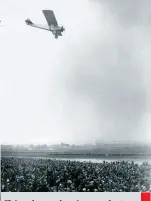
63,145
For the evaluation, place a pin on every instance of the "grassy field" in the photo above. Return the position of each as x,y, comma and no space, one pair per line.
83,152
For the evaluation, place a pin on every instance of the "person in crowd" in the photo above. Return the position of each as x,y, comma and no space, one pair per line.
46,175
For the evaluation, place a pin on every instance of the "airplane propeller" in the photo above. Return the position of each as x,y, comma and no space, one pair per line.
62,29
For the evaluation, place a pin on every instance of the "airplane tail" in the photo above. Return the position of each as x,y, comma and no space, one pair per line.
28,22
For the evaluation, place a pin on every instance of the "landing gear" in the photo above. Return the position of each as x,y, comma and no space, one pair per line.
56,36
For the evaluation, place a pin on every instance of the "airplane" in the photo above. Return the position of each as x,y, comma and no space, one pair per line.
52,23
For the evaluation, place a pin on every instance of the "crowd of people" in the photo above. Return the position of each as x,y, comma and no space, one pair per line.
46,175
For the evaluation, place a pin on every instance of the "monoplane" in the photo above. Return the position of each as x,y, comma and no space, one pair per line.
52,24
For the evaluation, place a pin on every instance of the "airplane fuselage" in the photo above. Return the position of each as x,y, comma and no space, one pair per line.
56,30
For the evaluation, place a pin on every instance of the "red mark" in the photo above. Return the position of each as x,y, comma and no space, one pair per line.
145,196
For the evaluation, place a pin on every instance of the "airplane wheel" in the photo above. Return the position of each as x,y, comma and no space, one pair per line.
56,37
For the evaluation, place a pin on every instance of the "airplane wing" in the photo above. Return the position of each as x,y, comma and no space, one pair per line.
50,17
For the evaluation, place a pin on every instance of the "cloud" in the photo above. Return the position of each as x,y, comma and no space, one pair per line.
106,75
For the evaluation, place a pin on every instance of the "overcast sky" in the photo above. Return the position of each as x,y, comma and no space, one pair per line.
91,84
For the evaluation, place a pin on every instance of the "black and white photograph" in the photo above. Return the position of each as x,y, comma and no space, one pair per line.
75,95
